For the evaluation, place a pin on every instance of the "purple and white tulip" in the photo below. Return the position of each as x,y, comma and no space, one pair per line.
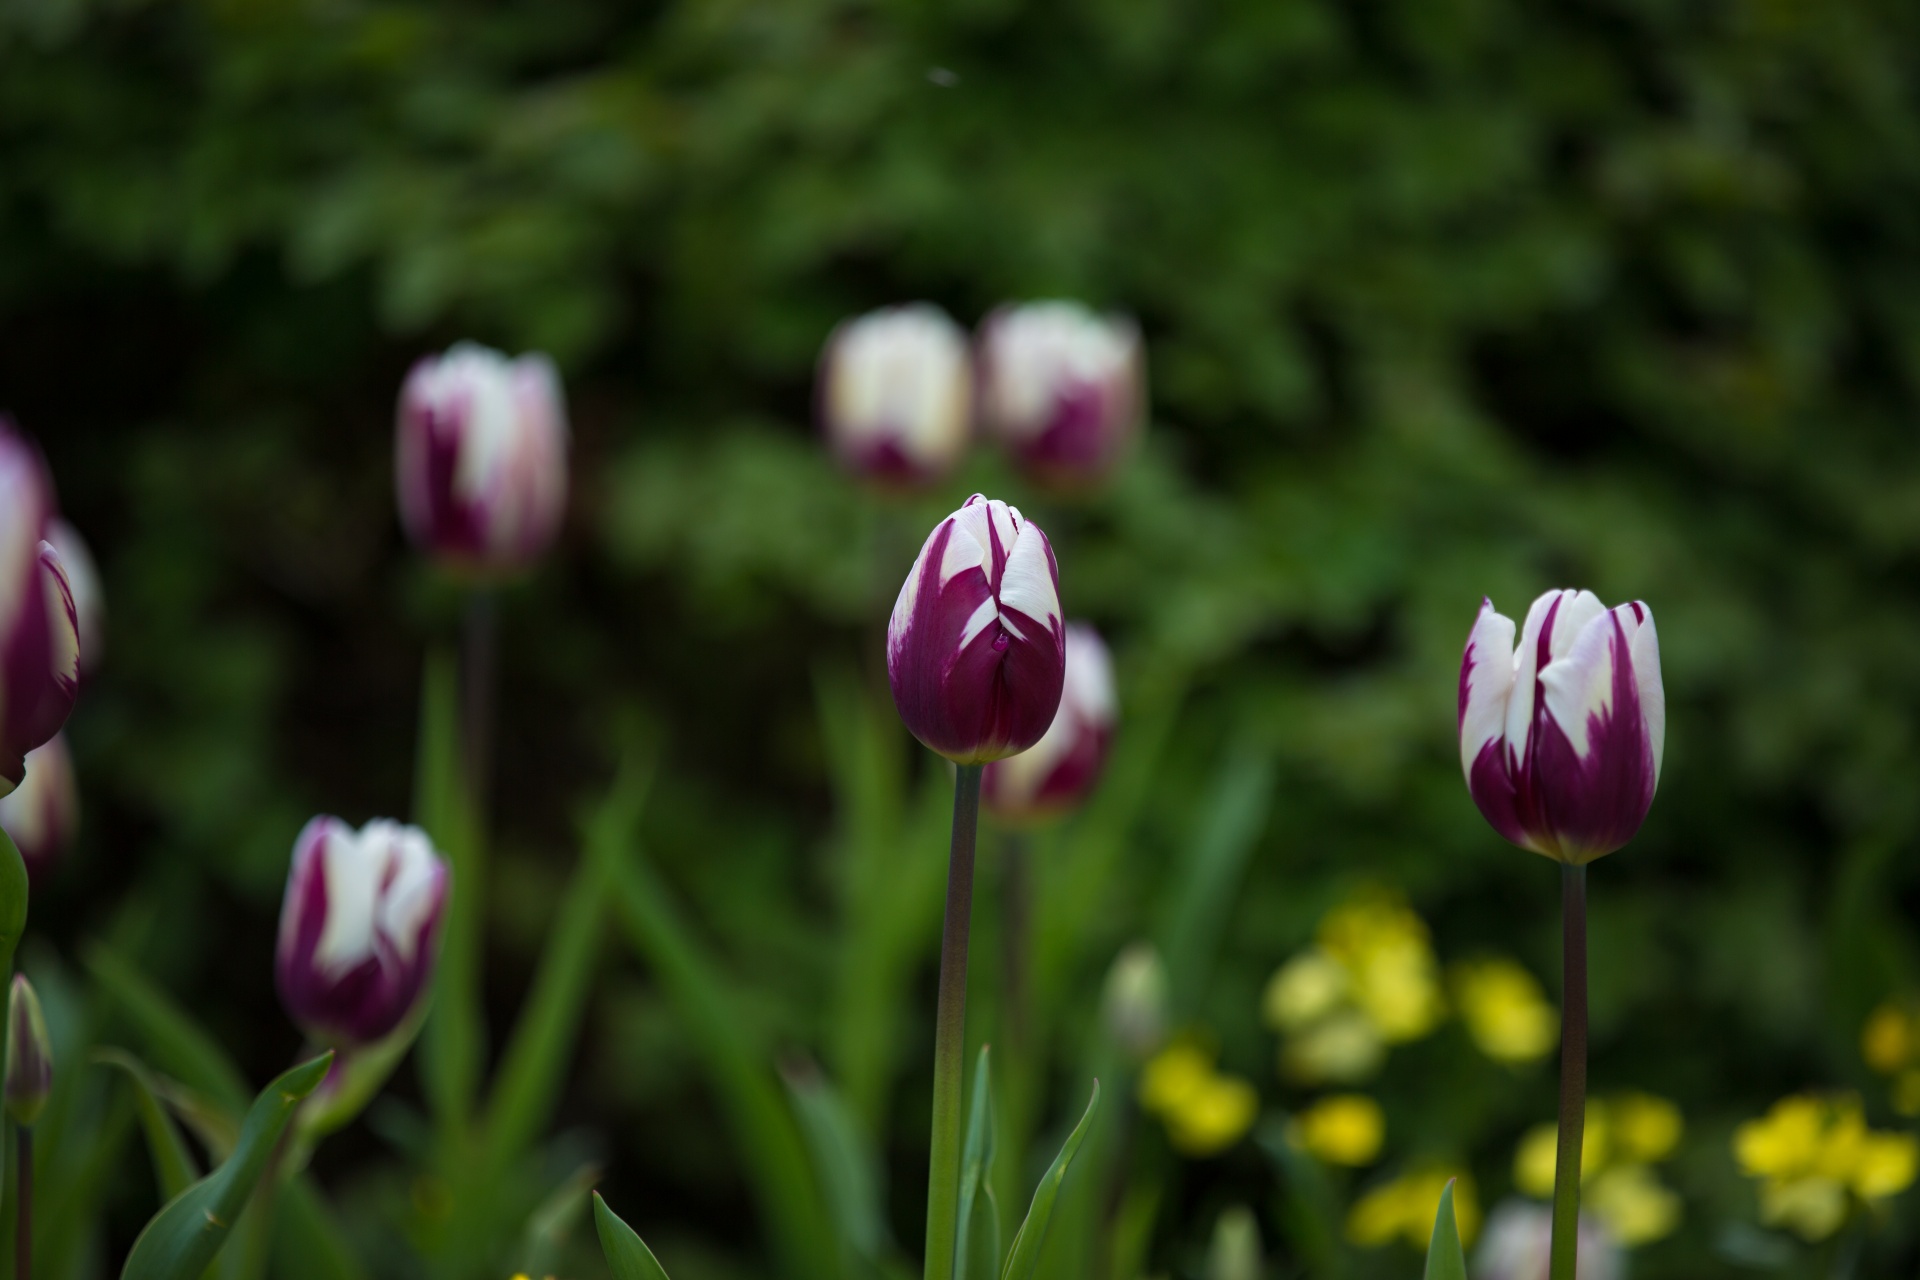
895,394
39,625
42,814
976,647
89,601
358,928
1561,739
481,458
1063,388
1056,773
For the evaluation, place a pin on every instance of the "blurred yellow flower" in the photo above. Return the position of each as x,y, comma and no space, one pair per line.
1346,1128
1505,1010
1624,1135
1890,1043
1811,1152
1204,1110
1369,981
1404,1208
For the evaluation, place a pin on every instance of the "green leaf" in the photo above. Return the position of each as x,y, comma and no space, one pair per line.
13,901
845,1166
360,1078
1208,883
175,1042
186,1235
536,1058
626,1252
451,1052
1445,1259
174,1167
1032,1235
976,1167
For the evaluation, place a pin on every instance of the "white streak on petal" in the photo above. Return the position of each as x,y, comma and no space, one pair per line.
1653,693
1579,686
351,867
1525,670
1489,684
968,548
979,621
1027,586
1577,609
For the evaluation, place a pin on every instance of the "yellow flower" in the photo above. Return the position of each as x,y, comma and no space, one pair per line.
1906,1092
1405,1207
1784,1142
1813,1208
1346,1047
1385,949
1634,1204
1213,1118
1303,990
1505,1011
1886,1165
1887,1041
1173,1075
1645,1128
1811,1151
1346,1128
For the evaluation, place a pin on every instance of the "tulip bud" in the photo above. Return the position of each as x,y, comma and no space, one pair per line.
43,812
1519,1239
358,928
89,602
1134,1004
1063,389
39,626
29,1055
481,458
895,395
1059,771
976,647
1561,740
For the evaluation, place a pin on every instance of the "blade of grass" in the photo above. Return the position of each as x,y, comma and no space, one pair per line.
174,1167
1024,1258
175,1041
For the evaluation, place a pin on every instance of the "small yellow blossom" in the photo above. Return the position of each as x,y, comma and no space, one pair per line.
1345,1047
1346,1128
1811,1152
1636,1207
1205,1111
1887,1041
1906,1092
1505,1010
1303,990
1404,1208
1645,1128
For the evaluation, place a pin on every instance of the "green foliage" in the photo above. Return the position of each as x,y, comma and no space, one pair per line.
977,1239
173,1164
1023,1256
184,1236
1445,1259
626,1252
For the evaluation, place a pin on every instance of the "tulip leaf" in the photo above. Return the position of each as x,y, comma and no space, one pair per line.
13,901
845,1167
627,1254
175,1042
1445,1259
1024,1257
976,1167
174,1167
187,1234
536,1057
1207,884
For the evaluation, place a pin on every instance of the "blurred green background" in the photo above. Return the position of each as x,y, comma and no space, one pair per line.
1442,300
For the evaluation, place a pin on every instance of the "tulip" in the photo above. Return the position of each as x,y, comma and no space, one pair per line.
481,458
1059,771
1516,1243
29,1055
1063,389
39,625
976,648
89,602
43,812
895,395
1561,740
358,928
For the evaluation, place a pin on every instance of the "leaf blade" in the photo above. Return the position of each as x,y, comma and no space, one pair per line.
1028,1241
174,1167
626,1252
976,1165
1445,1258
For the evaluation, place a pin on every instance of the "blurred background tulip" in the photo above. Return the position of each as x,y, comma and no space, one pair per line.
39,625
481,455
895,394
359,928
42,814
1561,738
1058,772
89,600
976,646
29,1054
1062,388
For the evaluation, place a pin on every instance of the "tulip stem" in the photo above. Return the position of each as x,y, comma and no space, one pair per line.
1573,1072
478,646
23,1229
950,1032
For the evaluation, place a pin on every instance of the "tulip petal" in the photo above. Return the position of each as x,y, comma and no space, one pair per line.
1645,650
1486,683
1593,770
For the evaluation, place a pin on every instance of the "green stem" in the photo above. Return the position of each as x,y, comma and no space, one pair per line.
950,1032
1573,1072
478,647
23,1232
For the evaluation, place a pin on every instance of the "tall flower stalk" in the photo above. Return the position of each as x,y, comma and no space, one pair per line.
1561,739
976,657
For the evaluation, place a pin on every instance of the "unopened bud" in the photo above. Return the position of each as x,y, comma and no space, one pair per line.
29,1055
1134,1005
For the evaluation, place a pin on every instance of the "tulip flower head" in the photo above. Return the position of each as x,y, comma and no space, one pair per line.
358,928
29,1055
895,394
976,647
42,814
1063,388
1059,771
39,624
1561,738
481,458
89,601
